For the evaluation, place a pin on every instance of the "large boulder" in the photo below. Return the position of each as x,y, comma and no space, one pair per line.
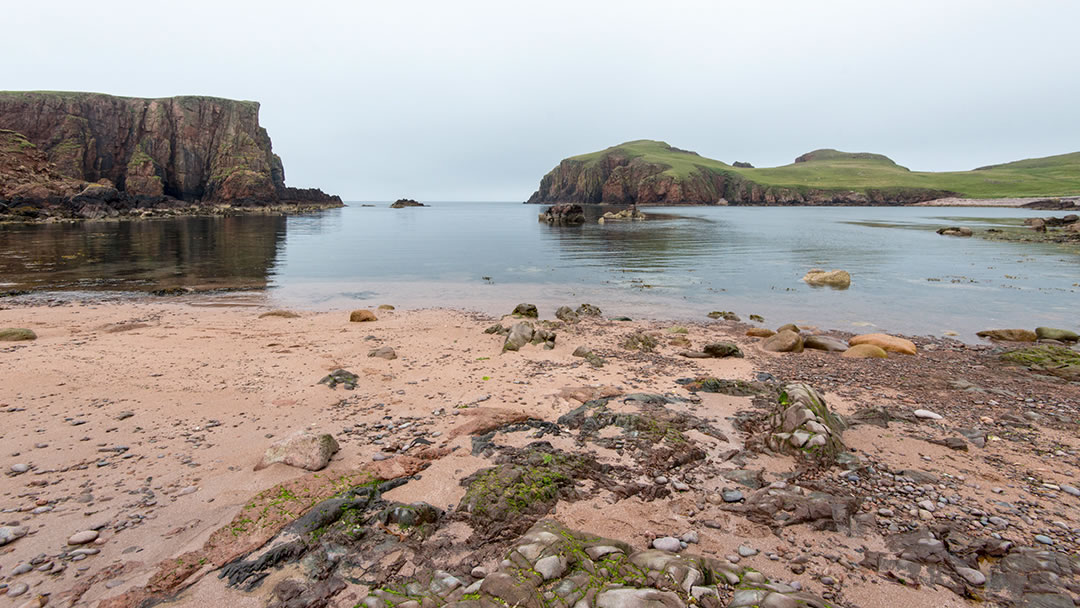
803,424
825,343
526,310
523,333
1061,335
865,351
1009,335
302,449
362,316
786,341
567,314
837,279
565,214
886,342
16,334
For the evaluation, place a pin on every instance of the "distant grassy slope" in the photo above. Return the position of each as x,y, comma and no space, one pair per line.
834,170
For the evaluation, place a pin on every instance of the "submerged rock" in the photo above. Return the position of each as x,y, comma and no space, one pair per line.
302,449
955,231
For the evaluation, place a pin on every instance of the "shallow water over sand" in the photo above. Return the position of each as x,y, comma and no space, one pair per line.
681,263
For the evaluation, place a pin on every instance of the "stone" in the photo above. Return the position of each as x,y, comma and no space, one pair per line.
637,598
731,495
865,351
16,334
760,332
927,415
564,214
302,449
721,350
81,538
362,316
955,231
745,551
567,314
17,589
551,566
282,314
1061,335
588,310
1009,335
667,543
526,310
20,468
825,343
886,342
1044,539
386,307
384,352
786,341
837,279
9,534
972,576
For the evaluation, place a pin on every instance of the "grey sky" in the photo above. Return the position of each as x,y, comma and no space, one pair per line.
477,100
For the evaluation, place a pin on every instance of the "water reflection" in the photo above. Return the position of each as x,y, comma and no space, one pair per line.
196,252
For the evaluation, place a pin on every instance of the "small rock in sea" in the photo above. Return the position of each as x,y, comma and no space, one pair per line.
745,551
667,543
81,538
927,415
731,495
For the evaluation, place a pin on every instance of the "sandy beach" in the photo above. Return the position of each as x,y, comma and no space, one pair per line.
140,423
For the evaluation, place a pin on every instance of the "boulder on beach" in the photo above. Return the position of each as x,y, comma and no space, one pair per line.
825,343
886,342
760,332
383,352
837,279
804,425
567,314
362,316
1009,335
302,449
1061,335
722,350
865,351
786,341
523,333
525,310
16,334
588,310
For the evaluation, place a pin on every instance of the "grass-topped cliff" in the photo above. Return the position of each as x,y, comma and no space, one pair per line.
647,171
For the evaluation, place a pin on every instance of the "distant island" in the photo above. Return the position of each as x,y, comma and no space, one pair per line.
647,172
90,155
402,203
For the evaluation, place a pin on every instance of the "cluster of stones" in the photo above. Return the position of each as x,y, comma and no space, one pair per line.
564,214
630,213
551,566
803,423
790,339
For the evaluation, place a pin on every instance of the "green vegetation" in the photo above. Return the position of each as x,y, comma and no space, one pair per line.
835,170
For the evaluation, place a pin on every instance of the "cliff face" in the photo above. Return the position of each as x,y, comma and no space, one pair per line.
616,176
190,149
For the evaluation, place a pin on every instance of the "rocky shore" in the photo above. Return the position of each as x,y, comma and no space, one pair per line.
70,155
209,455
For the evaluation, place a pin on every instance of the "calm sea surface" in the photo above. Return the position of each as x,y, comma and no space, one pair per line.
679,264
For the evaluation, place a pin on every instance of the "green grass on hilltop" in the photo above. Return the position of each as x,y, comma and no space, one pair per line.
835,170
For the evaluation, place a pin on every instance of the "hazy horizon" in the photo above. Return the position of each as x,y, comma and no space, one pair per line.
478,100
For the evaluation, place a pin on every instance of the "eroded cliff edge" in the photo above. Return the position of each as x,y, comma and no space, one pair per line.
94,155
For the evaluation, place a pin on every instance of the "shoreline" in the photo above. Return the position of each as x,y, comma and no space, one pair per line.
194,210
195,394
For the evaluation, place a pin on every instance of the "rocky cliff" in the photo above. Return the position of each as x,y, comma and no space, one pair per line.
655,173
137,153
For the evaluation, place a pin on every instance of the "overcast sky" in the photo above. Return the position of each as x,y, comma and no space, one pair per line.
459,100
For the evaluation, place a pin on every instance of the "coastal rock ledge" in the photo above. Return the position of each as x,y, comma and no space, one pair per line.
90,155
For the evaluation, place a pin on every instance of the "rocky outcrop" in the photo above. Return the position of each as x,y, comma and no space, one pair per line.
565,214
140,153
402,203
617,177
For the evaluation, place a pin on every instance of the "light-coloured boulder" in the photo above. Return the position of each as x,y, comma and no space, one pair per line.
825,343
865,351
1061,335
886,342
362,316
303,449
838,279
9,534
16,334
760,332
1009,335
786,341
